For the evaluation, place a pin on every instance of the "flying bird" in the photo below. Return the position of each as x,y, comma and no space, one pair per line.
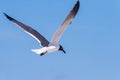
48,46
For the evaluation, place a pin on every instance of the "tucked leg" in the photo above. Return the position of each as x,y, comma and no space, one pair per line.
42,54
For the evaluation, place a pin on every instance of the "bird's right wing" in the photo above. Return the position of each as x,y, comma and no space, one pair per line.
65,23
30,31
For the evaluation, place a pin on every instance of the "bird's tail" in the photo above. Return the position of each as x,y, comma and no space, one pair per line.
37,51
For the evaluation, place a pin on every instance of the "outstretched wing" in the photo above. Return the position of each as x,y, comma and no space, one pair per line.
65,24
30,31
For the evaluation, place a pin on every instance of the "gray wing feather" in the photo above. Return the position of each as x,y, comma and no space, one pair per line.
65,24
30,31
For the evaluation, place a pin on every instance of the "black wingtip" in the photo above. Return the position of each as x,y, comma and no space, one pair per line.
78,3
8,17
76,8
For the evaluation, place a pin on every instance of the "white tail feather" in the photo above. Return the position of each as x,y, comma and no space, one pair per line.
37,51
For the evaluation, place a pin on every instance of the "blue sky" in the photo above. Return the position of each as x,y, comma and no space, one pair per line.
92,41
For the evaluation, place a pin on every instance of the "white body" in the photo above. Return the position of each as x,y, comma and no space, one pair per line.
49,49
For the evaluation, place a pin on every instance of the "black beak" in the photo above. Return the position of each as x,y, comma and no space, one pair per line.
64,51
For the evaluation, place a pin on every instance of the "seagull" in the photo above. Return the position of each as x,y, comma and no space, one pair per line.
48,46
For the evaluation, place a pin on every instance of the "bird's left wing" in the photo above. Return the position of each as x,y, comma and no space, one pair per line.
30,31
65,24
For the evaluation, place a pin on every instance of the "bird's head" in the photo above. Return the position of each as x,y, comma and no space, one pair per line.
61,49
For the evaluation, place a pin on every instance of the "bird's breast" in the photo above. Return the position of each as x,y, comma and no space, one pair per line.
52,48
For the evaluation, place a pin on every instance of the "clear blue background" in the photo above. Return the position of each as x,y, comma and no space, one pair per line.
92,41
